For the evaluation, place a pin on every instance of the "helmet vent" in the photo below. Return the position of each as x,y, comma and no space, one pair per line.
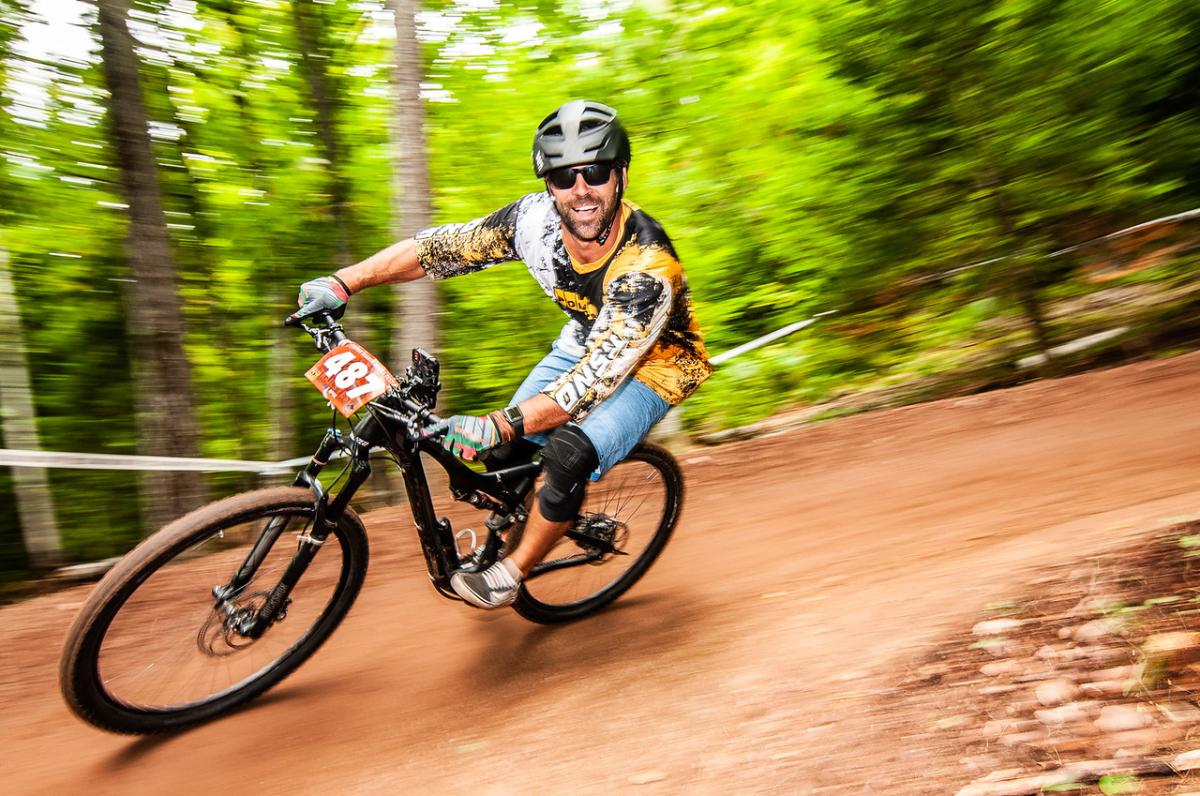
579,132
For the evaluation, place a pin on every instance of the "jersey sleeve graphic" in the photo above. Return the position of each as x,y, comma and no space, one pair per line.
456,249
637,306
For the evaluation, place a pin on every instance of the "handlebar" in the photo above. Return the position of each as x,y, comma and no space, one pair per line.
327,334
434,426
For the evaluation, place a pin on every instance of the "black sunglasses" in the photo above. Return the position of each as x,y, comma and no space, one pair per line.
593,174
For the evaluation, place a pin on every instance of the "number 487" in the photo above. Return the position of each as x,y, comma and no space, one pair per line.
346,369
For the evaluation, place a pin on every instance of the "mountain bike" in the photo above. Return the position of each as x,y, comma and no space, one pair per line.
225,602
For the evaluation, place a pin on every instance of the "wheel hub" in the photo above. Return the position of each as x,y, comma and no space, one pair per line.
600,535
226,629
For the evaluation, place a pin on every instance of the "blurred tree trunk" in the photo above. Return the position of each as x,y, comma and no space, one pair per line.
1022,267
281,397
316,51
281,401
163,396
417,302
1024,281
1022,270
314,55
35,502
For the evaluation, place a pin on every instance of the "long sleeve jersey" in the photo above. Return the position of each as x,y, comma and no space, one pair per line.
629,314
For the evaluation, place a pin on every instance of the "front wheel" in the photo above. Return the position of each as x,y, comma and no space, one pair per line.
154,649
624,523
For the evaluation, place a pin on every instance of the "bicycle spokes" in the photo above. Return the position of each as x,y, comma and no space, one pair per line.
619,517
173,641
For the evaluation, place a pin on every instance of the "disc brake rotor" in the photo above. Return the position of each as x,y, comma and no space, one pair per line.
219,635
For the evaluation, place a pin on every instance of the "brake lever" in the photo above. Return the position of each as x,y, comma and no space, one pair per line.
319,334
295,319
436,429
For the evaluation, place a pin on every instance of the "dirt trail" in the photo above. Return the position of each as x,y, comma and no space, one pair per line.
809,567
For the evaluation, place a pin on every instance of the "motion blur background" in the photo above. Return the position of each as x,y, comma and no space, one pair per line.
805,157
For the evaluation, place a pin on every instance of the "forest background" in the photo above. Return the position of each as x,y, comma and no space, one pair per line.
804,156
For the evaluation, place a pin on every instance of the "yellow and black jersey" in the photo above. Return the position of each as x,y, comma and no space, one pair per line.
630,313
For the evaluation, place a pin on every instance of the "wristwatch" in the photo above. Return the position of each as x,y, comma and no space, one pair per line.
515,419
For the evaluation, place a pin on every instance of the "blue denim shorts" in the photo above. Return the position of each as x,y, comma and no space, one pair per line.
616,425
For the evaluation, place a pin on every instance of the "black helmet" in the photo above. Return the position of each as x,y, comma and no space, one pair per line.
577,133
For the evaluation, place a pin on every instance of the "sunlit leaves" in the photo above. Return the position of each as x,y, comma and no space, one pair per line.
803,156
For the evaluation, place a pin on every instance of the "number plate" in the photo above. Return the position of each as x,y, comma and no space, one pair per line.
349,376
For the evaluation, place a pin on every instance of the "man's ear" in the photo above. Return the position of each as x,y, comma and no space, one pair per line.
625,176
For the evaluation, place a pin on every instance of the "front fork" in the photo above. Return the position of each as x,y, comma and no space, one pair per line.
326,516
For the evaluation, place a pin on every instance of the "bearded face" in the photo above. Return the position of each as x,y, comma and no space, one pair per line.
587,211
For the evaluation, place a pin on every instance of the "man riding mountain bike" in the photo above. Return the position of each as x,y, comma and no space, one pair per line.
613,271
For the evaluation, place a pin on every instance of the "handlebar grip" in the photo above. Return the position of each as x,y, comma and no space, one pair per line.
427,416
324,317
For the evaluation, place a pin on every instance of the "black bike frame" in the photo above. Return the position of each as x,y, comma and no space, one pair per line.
389,425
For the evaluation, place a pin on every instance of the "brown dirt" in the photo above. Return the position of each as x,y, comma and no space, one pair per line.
1079,630
769,651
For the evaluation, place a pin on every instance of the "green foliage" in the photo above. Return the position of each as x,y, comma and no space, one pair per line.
831,159
1111,784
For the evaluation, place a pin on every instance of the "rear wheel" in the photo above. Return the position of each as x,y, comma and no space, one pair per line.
154,650
624,523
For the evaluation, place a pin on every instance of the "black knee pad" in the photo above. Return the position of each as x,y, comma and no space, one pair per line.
567,461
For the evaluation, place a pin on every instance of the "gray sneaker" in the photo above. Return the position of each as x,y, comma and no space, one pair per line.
496,586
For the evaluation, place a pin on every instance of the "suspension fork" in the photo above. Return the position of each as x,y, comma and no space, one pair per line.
330,443
326,516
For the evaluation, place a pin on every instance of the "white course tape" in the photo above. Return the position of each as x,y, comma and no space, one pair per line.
768,338
102,461
1186,215
105,461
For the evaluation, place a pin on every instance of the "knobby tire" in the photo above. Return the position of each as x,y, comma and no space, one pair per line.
83,685
663,466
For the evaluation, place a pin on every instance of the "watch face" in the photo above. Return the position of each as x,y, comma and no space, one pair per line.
515,419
